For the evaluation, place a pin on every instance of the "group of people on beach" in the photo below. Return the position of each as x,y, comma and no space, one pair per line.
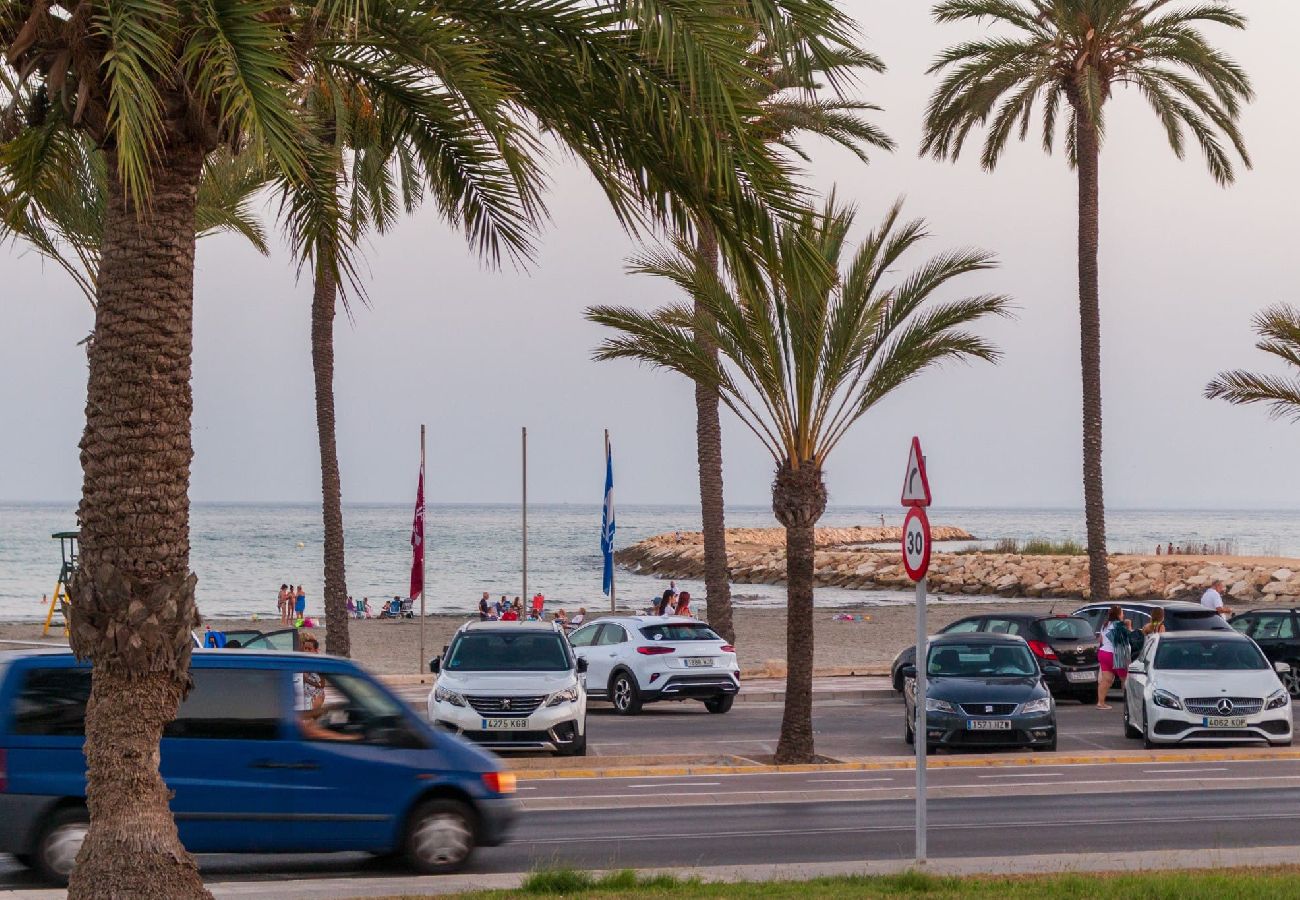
504,610
671,603
292,604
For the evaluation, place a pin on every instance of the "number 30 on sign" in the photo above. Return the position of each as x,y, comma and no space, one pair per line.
916,543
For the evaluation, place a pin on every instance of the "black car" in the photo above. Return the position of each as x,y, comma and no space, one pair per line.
1180,615
1277,632
1065,646
983,690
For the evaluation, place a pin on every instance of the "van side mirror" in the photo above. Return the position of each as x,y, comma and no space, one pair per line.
435,664
582,665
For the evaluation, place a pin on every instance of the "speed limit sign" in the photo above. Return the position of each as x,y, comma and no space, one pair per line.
916,543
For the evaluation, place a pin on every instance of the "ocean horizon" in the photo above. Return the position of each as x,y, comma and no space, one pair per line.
242,551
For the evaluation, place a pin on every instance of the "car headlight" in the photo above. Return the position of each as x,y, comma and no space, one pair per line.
442,695
1166,699
933,705
568,695
1041,705
1277,699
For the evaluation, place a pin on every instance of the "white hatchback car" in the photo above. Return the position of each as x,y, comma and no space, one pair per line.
1205,686
632,660
511,686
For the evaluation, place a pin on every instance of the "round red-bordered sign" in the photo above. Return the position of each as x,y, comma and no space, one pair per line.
916,543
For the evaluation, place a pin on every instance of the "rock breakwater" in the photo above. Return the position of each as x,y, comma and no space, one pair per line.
757,556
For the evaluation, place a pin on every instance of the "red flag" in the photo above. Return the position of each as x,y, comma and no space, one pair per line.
417,540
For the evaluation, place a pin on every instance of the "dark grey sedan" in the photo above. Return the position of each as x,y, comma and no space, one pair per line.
983,691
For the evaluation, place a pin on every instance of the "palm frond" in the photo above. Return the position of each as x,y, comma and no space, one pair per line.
1279,330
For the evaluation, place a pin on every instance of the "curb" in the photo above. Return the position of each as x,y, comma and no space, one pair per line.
879,764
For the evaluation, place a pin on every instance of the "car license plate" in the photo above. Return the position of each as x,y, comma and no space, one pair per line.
1225,721
1089,675
505,724
988,724
699,662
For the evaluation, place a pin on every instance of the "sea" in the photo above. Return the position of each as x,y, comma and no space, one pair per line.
242,553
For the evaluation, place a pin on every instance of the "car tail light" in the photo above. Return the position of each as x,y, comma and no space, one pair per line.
654,651
500,782
727,648
1042,650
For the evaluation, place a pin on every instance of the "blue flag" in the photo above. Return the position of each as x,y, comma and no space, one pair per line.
607,521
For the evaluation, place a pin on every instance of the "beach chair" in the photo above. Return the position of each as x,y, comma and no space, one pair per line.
392,609
407,609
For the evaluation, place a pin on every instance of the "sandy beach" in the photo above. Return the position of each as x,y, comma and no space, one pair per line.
391,647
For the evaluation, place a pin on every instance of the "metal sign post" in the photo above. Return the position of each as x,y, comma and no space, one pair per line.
916,562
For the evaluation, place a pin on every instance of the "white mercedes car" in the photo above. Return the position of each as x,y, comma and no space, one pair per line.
1205,686
632,660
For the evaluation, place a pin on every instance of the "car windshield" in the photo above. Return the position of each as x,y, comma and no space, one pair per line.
984,660
1067,628
1208,655
680,631
503,651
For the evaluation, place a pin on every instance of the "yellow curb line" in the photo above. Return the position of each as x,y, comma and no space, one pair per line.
877,765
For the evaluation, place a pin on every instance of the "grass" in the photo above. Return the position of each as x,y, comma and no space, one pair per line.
1239,884
1040,547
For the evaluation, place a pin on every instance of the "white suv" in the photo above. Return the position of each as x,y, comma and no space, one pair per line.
511,686
633,660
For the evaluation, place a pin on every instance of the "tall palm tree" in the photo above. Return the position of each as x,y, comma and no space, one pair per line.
1278,328
794,102
805,352
159,85
1071,54
396,139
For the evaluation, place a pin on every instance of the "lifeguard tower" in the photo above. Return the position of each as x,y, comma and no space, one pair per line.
68,551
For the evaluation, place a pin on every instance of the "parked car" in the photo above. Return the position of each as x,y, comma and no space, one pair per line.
251,769
1209,686
283,639
983,690
1180,615
512,686
1205,686
634,660
1065,647
1277,632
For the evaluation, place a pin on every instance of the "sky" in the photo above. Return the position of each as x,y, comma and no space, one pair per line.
476,353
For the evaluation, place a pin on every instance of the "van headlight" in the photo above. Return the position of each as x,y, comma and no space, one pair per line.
442,695
943,706
568,695
1166,699
1277,699
1041,705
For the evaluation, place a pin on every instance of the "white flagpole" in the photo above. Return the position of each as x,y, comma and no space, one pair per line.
611,548
424,542
524,596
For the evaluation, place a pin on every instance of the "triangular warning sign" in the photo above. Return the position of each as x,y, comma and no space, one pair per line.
916,487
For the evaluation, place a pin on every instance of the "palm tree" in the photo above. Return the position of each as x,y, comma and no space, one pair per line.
793,103
804,353
395,139
1077,51
159,86
1278,328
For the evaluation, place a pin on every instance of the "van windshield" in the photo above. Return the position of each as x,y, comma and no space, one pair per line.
505,651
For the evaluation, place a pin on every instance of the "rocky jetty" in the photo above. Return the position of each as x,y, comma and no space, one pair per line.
757,556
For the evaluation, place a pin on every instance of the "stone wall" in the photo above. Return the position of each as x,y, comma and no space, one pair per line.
757,556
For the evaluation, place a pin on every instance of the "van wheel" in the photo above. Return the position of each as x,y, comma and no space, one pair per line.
439,837
720,705
623,692
59,844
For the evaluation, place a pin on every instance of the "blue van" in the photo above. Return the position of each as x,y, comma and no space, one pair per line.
270,752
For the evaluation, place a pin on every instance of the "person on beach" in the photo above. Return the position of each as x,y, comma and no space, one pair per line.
484,613
1114,631
665,602
683,607
363,608
1169,550
539,603
510,615
561,618
579,618
1213,598
300,604
518,608
352,607
282,602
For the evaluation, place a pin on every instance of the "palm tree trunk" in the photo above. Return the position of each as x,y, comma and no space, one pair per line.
798,500
324,304
133,597
1094,504
708,450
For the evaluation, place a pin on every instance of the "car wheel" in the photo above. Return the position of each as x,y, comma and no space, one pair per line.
59,844
1146,734
625,696
898,682
439,837
908,736
720,705
1291,679
1130,730
576,747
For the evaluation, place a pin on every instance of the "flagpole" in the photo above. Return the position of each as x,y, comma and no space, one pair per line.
424,543
611,549
524,595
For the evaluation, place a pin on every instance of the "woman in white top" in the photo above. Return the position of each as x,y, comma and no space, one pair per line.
1106,655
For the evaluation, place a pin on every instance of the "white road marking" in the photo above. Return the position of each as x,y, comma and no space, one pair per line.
678,784
1184,771
1028,775
845,780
